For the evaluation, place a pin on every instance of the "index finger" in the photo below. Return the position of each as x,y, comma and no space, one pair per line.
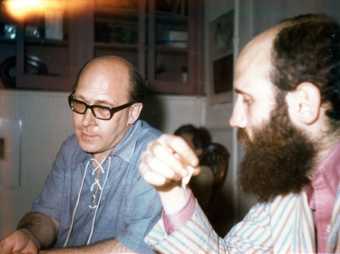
5,248
181,148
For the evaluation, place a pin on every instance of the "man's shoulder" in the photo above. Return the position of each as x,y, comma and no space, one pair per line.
145,132
150,130
135,142
70,143
70,147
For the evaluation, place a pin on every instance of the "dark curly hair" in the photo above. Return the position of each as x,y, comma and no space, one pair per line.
307,49
201,137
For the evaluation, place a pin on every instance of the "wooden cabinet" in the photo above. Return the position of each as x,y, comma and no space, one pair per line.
175,49
41,57
7,52
59,59
163,39
119,29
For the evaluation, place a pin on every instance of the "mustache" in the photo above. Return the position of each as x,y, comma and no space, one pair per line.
242,136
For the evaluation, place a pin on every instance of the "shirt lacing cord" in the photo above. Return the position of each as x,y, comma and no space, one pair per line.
97,204
96,187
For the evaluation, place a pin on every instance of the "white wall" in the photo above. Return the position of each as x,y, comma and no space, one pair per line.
168,112
46,122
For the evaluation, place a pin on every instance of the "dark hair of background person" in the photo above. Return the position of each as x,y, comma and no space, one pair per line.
216,156
307,49
186,128
201,137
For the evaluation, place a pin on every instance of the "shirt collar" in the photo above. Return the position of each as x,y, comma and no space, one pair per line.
329,169
126,147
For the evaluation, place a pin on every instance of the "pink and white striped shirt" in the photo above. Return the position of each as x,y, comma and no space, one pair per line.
321,196
285,225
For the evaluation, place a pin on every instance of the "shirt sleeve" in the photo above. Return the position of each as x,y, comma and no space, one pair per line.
334,235
51,199
143,211
171,222
198,236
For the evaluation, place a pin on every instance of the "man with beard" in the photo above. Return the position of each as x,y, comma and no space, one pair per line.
287,111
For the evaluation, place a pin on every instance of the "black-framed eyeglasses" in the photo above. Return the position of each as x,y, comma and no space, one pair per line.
98,111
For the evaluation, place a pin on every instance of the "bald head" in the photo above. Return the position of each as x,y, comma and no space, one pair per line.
115,69
256,55
261,44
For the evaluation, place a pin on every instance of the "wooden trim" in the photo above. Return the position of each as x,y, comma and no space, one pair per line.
152,44
195,63
141,37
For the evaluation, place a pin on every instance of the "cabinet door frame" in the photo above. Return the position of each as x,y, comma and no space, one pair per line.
194,85
79,51
81,48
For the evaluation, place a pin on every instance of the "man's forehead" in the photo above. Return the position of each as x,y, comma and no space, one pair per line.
258,49
105,78
254,61
106,69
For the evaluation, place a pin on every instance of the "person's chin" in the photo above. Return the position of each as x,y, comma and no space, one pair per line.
88,143
89,148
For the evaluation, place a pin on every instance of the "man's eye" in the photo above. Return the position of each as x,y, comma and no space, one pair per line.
247,101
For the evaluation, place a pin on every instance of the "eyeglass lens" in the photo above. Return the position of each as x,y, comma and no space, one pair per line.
100,112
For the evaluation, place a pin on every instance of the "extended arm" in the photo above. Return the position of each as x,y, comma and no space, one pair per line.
104,247
35,231
165,163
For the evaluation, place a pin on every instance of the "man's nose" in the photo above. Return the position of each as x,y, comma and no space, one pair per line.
88,117
238,118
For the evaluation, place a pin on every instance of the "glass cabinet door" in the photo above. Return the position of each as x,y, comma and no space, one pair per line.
51,50
162,38
119,30
45,44
168,43
8,38
173,33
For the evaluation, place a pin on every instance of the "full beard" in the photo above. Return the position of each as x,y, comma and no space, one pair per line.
278,160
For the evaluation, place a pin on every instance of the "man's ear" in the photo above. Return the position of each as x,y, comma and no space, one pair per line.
304,103
134,112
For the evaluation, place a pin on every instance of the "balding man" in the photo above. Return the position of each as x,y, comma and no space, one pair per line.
287,111
94,199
